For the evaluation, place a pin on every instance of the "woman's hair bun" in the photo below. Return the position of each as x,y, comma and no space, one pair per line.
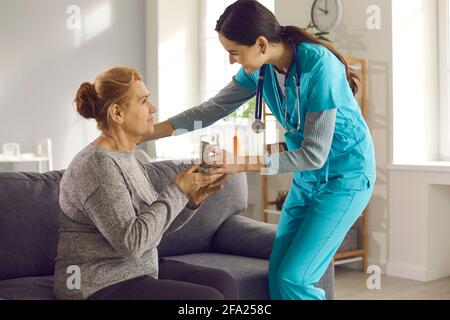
86,100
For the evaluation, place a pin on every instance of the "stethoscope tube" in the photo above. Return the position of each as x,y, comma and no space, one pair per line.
258,125
259,92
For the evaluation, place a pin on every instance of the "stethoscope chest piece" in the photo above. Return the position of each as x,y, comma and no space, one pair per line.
258,126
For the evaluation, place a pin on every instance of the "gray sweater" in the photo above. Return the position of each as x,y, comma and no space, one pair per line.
111,221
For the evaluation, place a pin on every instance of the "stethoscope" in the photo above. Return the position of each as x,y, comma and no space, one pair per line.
258,126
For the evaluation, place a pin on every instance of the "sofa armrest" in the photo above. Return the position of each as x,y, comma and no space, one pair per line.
243,236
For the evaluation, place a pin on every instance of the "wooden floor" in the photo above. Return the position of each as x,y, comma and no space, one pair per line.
351,284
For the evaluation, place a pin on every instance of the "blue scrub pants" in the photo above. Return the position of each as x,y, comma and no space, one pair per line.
311,228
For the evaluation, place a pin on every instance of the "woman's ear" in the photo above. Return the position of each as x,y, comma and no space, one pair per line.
116,113
262,44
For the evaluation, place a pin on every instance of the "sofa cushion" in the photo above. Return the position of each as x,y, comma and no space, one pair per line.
251,273
29,213
197,234
30,288
242,236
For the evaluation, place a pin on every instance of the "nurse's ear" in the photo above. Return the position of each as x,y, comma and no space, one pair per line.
262,44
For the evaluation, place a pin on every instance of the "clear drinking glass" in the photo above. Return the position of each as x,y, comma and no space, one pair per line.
207,144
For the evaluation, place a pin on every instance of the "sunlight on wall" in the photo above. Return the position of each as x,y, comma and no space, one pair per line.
78,37
96,22
173,70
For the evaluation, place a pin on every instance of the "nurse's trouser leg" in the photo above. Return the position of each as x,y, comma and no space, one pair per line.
301,257
291,218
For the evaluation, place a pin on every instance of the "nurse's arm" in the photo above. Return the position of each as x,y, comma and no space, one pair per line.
315,148
221,105
316,145
161,130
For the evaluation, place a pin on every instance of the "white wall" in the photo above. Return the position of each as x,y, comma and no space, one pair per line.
419,241
43,63
353,38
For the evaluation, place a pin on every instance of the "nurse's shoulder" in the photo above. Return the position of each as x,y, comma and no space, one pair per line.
313,54
247,80
313,50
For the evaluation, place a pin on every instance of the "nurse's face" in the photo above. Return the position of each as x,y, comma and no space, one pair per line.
250,57
137,113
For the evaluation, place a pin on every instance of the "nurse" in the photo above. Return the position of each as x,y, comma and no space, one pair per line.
330,149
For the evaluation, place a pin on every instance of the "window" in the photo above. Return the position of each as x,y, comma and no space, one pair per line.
214,56
217,72
444,70
208,70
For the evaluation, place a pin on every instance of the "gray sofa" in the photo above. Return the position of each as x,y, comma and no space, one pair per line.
217,236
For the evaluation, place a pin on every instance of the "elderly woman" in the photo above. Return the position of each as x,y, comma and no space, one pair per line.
112,219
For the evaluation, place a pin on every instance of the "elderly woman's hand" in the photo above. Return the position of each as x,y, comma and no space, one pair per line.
191,182
198,197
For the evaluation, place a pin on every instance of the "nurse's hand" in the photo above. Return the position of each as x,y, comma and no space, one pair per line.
223,161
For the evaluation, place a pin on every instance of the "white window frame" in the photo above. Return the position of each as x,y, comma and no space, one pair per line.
444,78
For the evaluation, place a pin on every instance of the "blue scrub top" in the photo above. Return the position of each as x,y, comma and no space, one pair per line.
324,86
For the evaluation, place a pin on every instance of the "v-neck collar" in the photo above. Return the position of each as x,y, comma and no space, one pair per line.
277,85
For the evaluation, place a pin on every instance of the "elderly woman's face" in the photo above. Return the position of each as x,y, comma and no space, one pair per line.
138,114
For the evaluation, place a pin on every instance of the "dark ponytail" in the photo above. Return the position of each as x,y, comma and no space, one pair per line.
246,20
297,35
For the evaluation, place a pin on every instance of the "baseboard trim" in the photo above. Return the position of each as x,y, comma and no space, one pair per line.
407,272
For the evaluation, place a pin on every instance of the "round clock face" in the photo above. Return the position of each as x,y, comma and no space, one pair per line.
327,14
11,149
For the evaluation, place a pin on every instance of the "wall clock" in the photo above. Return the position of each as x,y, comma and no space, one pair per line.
327,14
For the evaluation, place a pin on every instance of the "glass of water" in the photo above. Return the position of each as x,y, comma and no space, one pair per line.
207,144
